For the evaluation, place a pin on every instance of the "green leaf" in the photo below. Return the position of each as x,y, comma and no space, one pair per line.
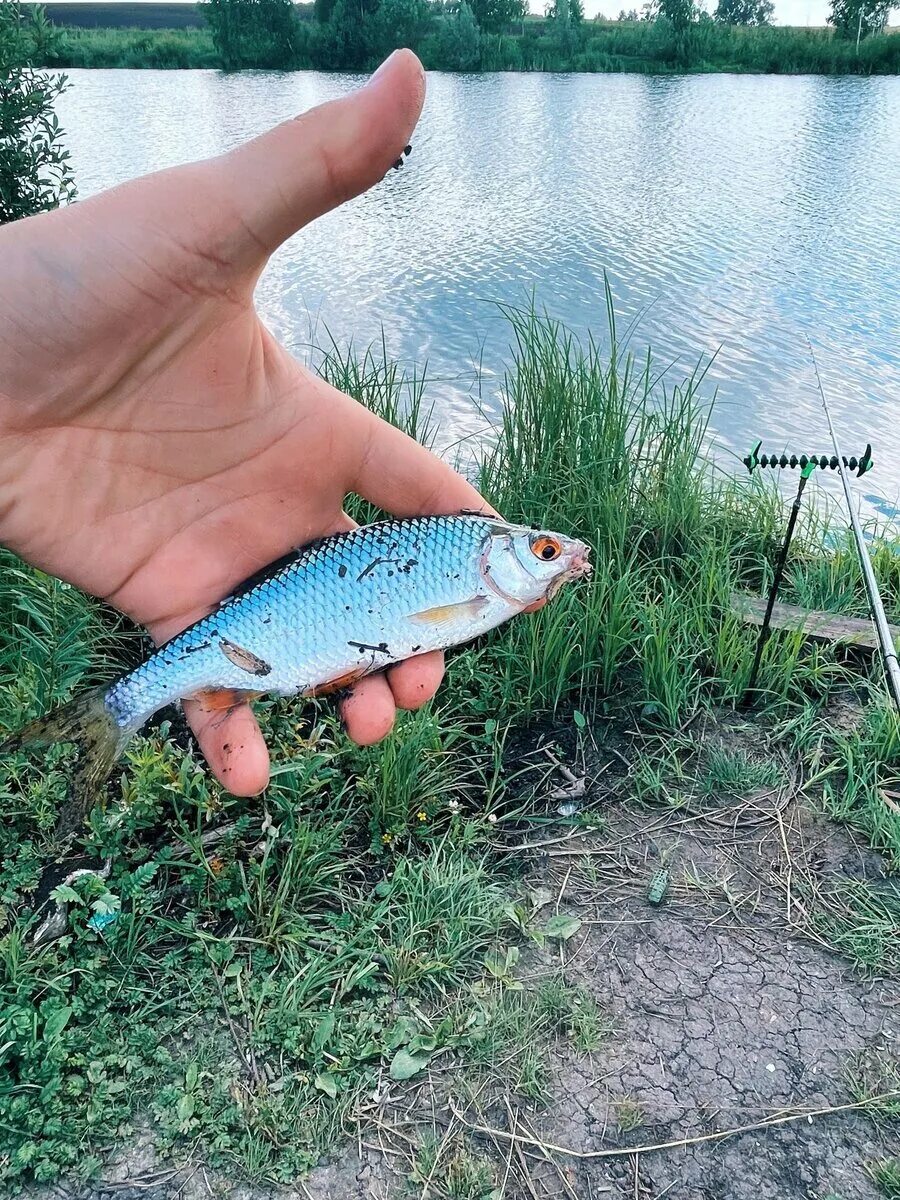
190,1077
579,718
327,1084
185,1109
324,1030
233,970
562,927
404,1065
515,914
494,964
403,1029
106,904
422,1043
142,875
65,895
56,1023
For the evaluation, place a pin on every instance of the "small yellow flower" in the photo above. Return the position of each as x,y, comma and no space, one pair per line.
387,838
421,815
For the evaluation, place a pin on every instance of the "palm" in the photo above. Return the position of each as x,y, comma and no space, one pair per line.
158,444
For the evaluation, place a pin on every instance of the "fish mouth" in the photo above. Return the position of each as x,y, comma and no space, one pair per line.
579,568
581,565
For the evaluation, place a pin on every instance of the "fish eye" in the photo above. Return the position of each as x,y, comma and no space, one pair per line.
546,548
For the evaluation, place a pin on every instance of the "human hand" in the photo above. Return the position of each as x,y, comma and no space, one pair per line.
157,445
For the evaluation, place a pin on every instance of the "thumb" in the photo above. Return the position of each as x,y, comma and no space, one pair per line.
286,178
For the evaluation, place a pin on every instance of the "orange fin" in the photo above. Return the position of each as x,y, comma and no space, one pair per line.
222,700
444,614
245,659
338,683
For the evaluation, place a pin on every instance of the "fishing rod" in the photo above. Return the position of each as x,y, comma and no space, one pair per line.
886,641
808,464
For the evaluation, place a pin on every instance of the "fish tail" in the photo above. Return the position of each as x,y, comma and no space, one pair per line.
89,723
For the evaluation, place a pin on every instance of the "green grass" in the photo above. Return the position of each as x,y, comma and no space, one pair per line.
735,773
153,49
511,1040
452,1172
886,1177
269,958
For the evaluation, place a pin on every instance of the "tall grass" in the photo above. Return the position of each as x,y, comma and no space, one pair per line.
594,444
172,49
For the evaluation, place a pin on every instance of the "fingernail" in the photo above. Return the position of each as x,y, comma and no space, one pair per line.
384,66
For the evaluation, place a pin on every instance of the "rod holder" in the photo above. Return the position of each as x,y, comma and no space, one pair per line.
824,462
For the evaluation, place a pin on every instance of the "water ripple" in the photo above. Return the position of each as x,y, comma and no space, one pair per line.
740,215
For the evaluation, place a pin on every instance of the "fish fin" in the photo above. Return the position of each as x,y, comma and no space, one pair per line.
243,658
330,686
88,722
222,700
444,614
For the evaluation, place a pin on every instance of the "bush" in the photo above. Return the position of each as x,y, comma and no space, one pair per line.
398,23
253,33
35,175
457,46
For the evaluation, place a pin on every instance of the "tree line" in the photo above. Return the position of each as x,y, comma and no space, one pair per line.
490,35
469,35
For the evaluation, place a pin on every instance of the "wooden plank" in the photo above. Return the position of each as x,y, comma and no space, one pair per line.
820,626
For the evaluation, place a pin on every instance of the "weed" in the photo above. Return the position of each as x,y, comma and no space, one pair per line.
886,1177
875,1072
596,46
450,1170
735,773
860,919
515,1031
629,1114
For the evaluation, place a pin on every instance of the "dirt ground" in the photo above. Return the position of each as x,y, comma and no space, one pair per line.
727,1011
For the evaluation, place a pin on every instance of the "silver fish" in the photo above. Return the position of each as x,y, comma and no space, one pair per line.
324,617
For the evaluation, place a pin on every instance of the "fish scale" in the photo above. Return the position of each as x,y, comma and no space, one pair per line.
339,605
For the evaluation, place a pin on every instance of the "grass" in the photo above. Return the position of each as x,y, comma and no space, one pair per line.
510,1044
454,1172
886,1177
629,1114
268,961
153,49
734,772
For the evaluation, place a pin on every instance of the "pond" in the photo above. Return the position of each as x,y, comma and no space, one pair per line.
734,216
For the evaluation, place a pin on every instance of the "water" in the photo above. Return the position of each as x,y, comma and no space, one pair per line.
735,216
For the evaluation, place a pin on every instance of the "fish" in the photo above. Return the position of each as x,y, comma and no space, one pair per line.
315,622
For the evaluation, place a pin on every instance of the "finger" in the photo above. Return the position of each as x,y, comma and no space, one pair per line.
369,711
399,475
289,176
233,746
415,681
